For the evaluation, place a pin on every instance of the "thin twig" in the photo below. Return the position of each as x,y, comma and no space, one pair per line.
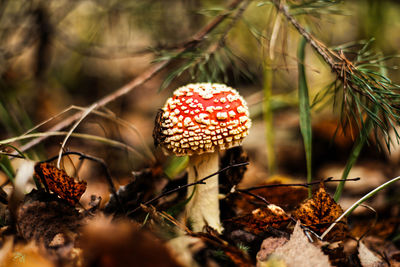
327,180
201,181
253,195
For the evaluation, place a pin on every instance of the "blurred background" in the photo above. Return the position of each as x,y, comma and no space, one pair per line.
63,53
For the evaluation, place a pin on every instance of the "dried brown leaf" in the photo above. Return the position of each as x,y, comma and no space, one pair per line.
260,219
298,251
60,183
368,258
319,212
284,196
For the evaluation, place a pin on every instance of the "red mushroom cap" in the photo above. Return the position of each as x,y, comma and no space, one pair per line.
203,117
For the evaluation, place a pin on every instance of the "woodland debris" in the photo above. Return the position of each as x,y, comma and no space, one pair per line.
284,197
23,255
368,258
298,251
184,247
319,212
117,243
42,216
135,192
260,219
59,182
268,246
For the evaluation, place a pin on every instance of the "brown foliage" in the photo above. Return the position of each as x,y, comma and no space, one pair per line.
319,212
60,183
260,219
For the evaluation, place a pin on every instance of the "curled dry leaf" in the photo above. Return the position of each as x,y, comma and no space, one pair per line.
298,251
287,197
319,212
60,183
260,219
268,246
367,257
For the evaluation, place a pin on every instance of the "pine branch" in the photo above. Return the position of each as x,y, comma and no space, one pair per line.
364,91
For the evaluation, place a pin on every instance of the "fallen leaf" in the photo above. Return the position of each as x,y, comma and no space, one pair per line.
382,228
287,197
336,254
319,212
58,181
260,219
367,257
298,251
268,246
272,262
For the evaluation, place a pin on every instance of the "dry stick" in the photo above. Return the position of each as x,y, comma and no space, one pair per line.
327,180
201,181
140,80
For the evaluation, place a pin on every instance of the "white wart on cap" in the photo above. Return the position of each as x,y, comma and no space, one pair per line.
204,117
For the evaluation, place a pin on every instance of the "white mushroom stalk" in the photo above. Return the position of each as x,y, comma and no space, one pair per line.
199,120
203,208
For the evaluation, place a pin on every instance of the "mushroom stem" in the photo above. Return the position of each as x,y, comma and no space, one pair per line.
203,208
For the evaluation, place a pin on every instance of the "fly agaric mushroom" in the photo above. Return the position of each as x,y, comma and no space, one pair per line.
198,121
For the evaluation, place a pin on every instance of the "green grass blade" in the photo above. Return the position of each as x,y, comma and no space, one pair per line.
175,166
269,116
358,203
6,167
355,152
304,109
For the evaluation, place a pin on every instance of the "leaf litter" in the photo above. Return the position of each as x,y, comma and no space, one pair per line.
261,228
